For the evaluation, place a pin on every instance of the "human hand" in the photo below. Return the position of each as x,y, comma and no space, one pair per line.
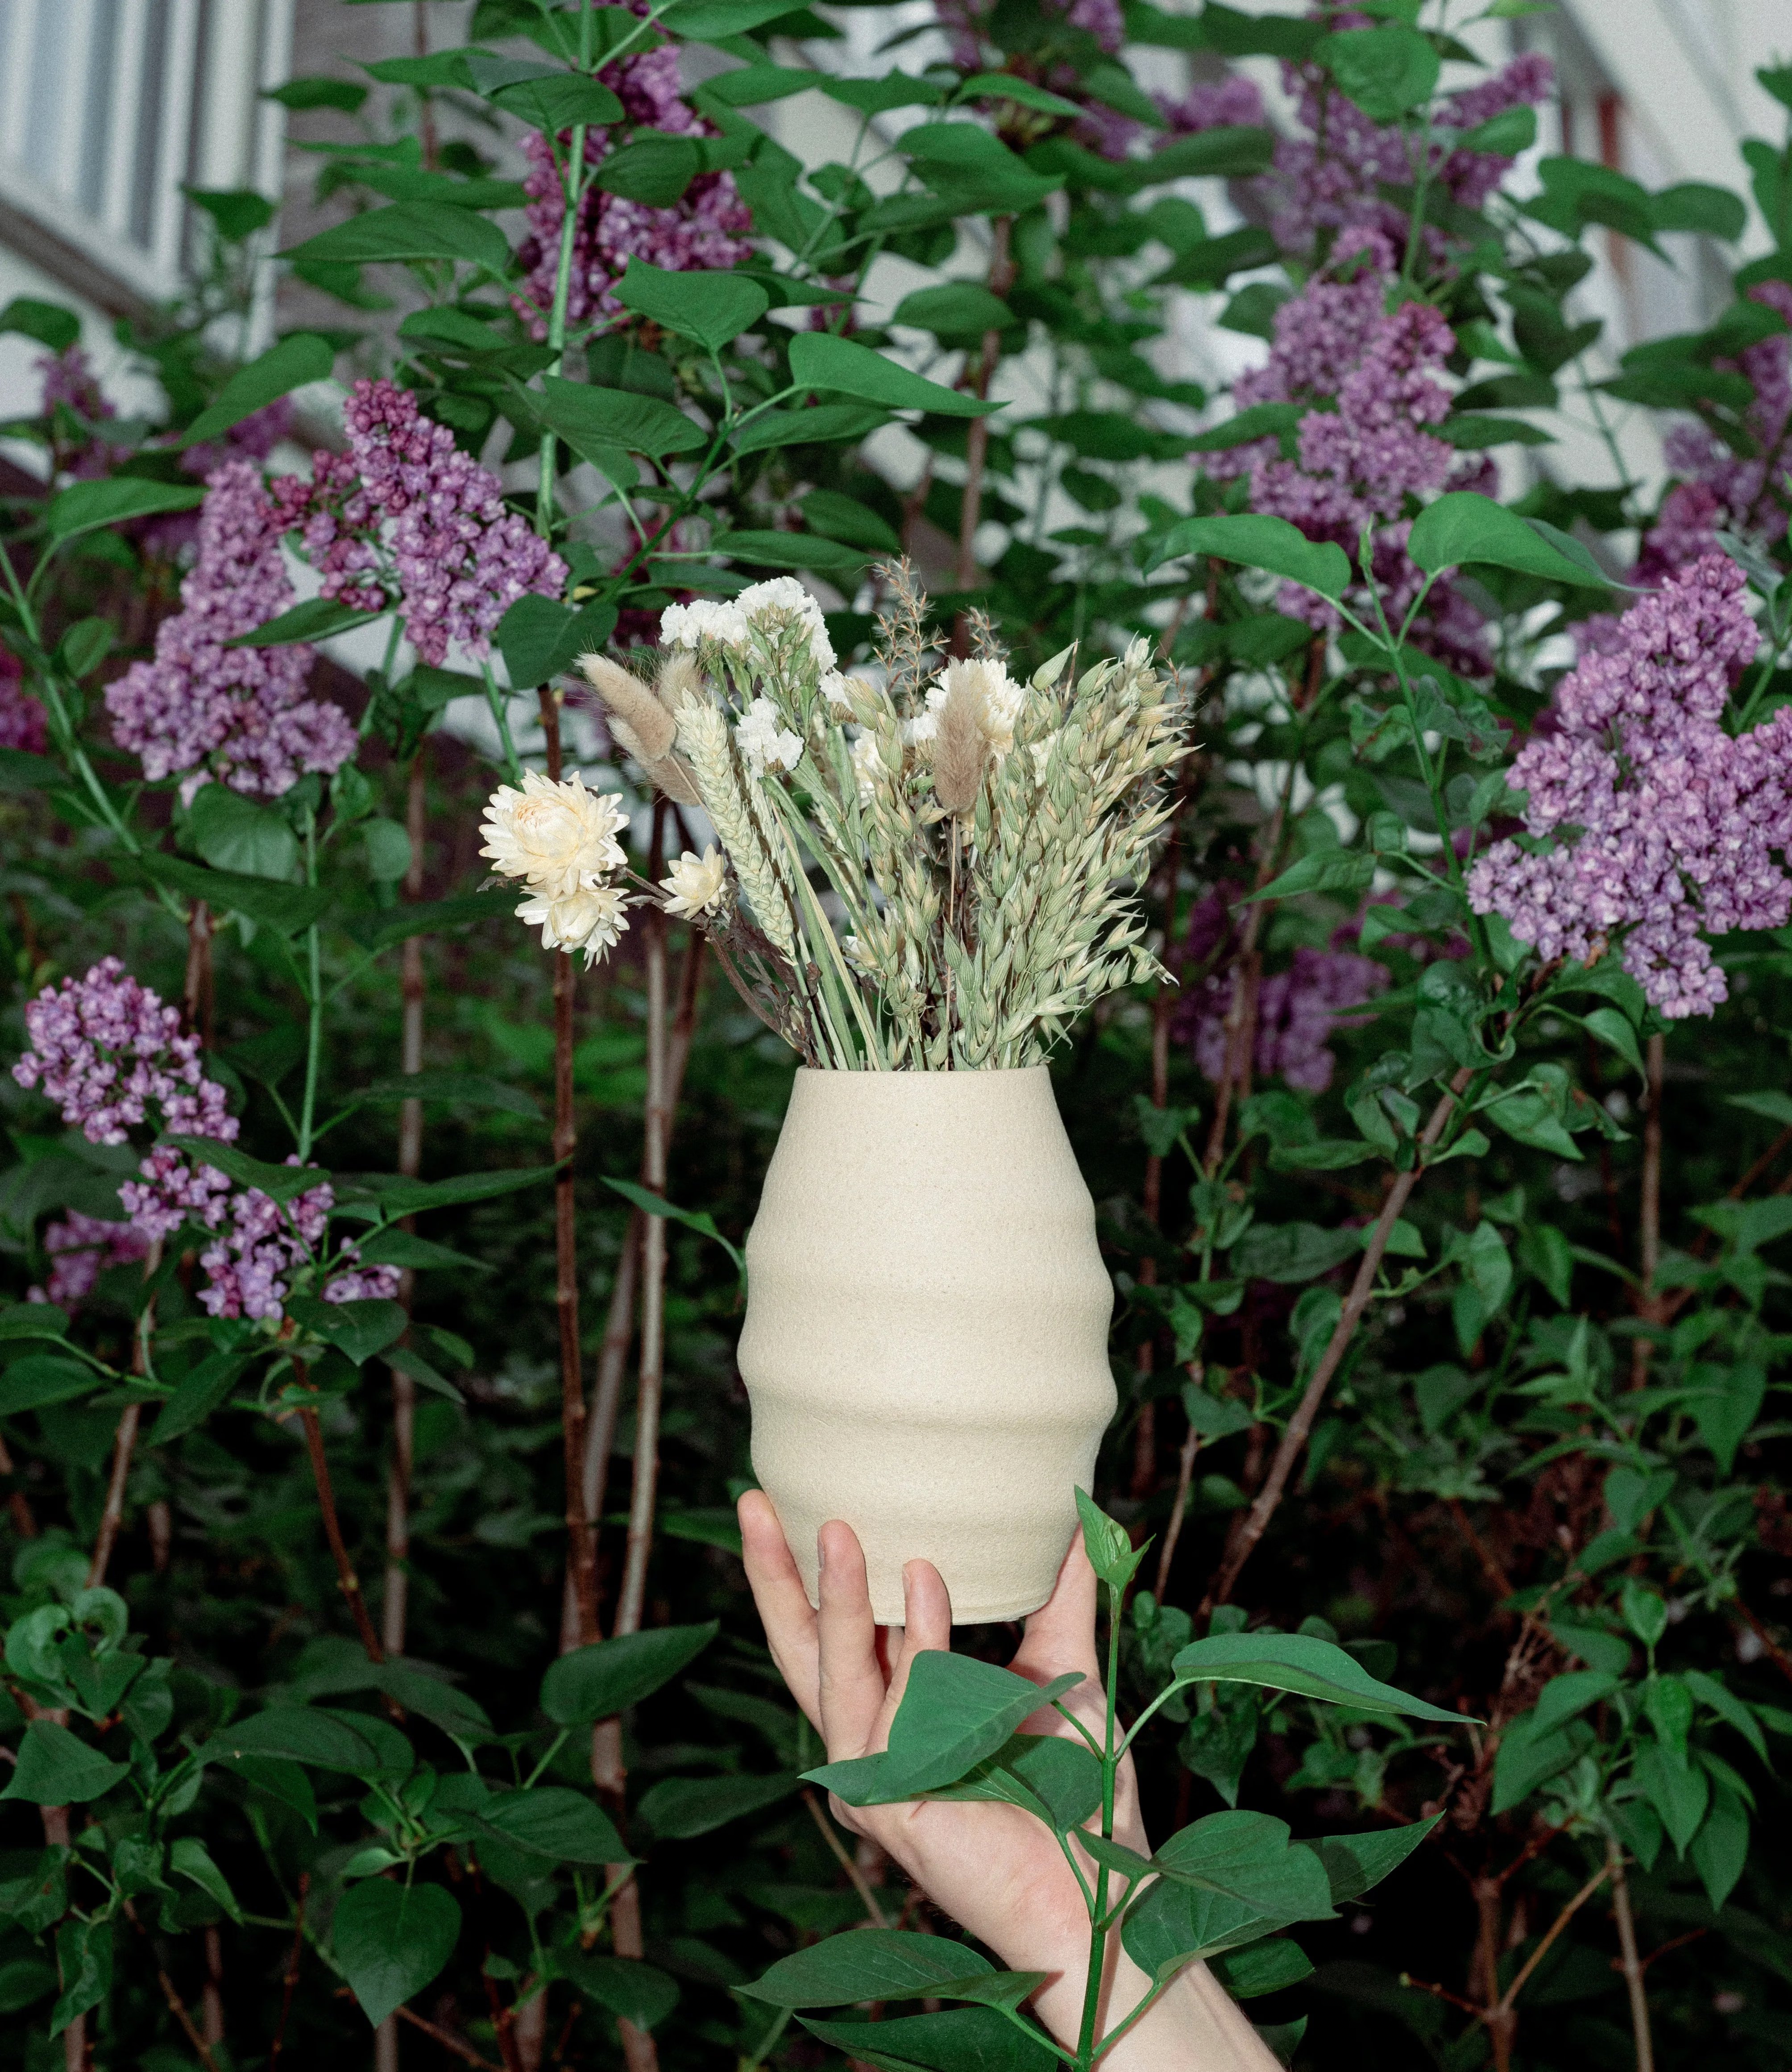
996,1870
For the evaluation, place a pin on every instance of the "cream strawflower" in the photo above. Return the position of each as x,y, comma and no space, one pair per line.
559,839
591,921
693,885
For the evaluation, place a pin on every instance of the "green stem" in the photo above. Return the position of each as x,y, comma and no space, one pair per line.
499,701
314,1043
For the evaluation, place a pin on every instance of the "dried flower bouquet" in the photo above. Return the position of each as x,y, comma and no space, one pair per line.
934,872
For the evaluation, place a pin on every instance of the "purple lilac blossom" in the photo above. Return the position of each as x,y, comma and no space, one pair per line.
200,709
111,1055
1329,180
80,1248
1718,490
1233,102
253,439
1298,1010
1664,826
70,382
23,721
1373,376
702,232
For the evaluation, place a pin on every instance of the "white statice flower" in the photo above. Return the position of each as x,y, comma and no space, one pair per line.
1002,698
765,741
917,732
557,838
837,691
693,885
867,766
719,619
763,603
589,920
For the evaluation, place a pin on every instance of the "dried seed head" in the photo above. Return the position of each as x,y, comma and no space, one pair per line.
961,745
680,677
639,722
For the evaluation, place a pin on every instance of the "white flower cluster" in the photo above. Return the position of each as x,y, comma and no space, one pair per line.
560,841
727,621
765,741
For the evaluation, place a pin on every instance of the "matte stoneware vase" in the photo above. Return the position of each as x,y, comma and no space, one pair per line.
925,1345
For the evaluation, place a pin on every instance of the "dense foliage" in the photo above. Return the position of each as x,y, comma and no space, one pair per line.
377,1646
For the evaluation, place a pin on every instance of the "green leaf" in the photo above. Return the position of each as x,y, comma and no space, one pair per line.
1708,211
1385,71
617,418
299,94
302,357
406,231
838,516
1721,1848
1355,1863
820,361
1349,871
960,310
874,1964
598,1682
818,424
40,1379
1462,528
1679,1790
1291,1252
280,1183
286,909
1248,1857
714,21
1263,1967
655,171
83,1961
387,849
1775,1107
678,1808
555,1822
317,618
300,1733
48,323
234,833
56,1767
391,1940
1023,92
788,550
1261,421
972,2039
559,102
20,771
199,1393
697,1219
403,1247
33,1320
1299,1663
85,506
410,1198
190,1858
1258,542
1111,1554
638,1992
540,639
1228,151
1507,135
426,917
357,1329
1528,1758
1614,1031
712,308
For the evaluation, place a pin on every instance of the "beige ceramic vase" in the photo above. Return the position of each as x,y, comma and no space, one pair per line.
925,1345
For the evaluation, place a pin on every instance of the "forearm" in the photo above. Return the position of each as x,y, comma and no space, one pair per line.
1194,2026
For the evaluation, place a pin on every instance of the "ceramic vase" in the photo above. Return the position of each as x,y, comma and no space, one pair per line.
926,1343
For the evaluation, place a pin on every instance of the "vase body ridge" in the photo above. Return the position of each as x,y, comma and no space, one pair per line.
925,1340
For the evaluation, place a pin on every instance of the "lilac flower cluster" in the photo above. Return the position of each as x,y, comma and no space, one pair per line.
1233,102
112,1056
1329,180
1717,489
22,718
254,438
200,709
1297,1009
455,559
70,383
1372,377
1663,826
701,232
80,1248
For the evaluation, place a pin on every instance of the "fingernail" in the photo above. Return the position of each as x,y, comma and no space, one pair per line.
821,1551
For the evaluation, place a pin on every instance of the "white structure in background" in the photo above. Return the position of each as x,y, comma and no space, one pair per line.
109,109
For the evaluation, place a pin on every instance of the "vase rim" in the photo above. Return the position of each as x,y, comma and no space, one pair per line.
912,1072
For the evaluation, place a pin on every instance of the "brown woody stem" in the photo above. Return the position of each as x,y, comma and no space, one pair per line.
1629,1962
177,2007
1252,1526
347,1579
